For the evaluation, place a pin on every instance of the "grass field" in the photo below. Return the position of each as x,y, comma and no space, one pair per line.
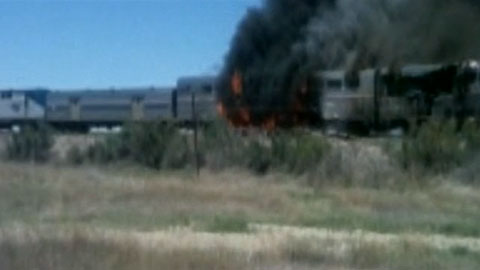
124,217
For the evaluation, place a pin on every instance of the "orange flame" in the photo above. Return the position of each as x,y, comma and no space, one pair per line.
244,115
221,109
236,83
241,115
270,124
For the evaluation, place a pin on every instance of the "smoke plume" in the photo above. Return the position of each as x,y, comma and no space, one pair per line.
278,46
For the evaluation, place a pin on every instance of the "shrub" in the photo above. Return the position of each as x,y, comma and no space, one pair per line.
439,146
154,145
177,153
290,151
75,155
258,157
112,148
304,152
32,142
158,146
221,147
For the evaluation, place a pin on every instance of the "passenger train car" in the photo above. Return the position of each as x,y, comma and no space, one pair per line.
80,110
22,106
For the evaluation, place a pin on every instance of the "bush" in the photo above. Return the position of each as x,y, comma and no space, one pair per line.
158,146
154,145
291,151
299,153
439,146
32,143
258,157
221,147
75,155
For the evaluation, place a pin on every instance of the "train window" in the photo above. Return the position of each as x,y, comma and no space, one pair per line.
207,89
6,95
352,81
334,84
15,107
138,99
74,100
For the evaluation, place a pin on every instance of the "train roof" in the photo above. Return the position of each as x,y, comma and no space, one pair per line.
113,91
338,74
197,84
198,79
420,70
37,94
412,70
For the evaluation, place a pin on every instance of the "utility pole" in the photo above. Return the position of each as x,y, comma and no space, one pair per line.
195,136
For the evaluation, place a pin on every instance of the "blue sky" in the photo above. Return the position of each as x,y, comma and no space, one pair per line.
91,44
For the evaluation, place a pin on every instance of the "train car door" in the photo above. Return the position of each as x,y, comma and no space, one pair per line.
75,108
137,108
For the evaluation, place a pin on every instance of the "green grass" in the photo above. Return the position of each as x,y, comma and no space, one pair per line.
228,224
438,210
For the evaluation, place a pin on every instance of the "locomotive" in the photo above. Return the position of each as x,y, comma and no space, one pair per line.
379,99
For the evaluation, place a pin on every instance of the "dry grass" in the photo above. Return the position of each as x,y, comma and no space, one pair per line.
63,144
132,197
183,249
136,198
131,218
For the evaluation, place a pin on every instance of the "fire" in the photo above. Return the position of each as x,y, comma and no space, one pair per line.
221,109
236,83
244,116
270,124
239,114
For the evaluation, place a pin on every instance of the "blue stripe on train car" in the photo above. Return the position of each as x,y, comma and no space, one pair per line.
38,95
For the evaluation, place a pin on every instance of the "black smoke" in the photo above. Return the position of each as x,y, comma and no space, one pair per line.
278,46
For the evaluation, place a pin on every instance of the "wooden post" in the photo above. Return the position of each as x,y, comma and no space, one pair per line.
195,135
376,101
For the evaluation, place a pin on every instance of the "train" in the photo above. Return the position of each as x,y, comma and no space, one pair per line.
361,100
83,110
390,98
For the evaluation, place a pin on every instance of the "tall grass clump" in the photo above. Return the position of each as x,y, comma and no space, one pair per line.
439,146
31,143
294,152
299,152
155,145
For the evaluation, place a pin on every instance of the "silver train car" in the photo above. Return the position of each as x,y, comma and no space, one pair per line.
375,99
17,107
205,91
84,109
70,109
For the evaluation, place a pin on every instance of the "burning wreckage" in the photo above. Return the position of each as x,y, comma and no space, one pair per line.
271,76
363,100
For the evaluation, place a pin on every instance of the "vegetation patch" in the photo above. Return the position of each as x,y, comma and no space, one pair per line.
439,146
30,143
227,224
